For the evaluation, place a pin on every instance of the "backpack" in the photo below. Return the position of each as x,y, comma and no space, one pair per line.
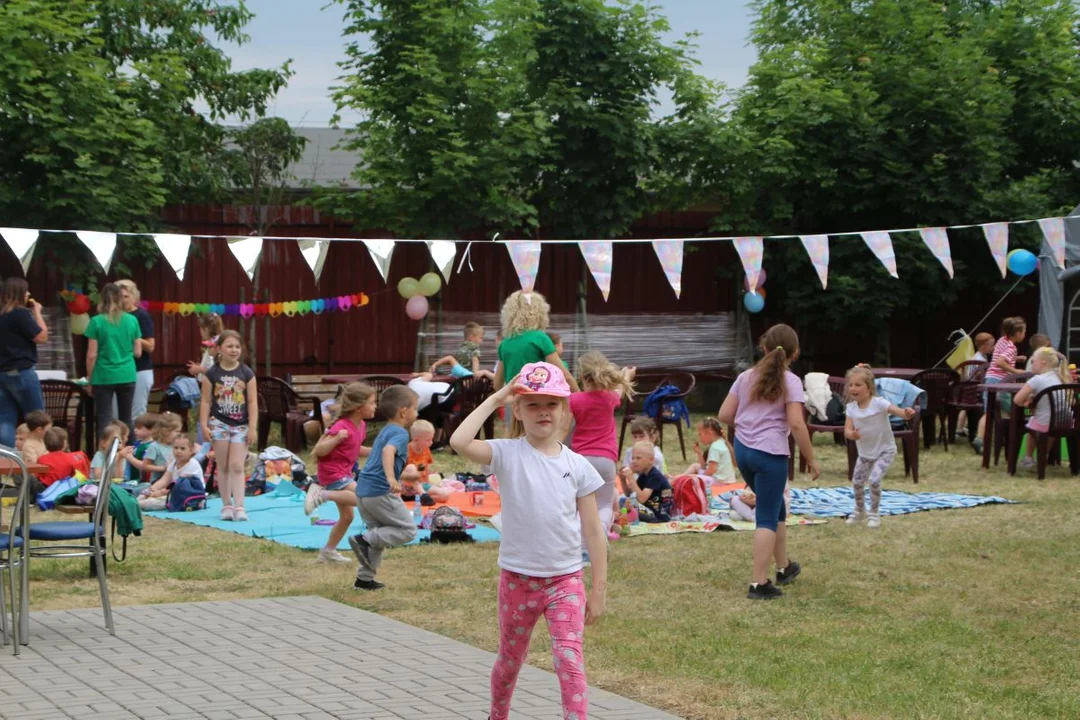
448,526
835,412
187,493
691,495
663,403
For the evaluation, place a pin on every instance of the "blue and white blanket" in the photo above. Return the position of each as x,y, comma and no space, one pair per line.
838,501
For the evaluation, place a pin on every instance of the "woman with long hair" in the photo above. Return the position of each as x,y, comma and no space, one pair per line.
22,329
115,342
144,365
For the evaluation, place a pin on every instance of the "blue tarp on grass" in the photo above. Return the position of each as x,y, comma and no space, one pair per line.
282,520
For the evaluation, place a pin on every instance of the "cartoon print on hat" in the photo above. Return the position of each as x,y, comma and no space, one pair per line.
541,378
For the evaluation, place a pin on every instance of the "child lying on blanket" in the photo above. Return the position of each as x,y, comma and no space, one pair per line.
648,485
744,502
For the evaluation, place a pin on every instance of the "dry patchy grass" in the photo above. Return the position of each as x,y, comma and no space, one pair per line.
953,614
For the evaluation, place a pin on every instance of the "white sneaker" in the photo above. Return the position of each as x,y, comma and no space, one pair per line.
227,513
240,515
874,521
1028,463
313,498
332,556
855,518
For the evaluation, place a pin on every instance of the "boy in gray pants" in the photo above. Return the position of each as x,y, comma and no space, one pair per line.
378,490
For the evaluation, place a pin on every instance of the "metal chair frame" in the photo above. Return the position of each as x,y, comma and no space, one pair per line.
14,557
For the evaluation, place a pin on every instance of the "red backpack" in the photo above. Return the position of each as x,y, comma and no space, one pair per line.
691,495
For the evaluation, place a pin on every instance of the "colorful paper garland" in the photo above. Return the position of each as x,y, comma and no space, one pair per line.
291,308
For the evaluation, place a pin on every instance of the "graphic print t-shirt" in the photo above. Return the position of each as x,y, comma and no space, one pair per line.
228,393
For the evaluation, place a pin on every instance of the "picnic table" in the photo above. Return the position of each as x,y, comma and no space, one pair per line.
403,377
7,467
901,373
1016,421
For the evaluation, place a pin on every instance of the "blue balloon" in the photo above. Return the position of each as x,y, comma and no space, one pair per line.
1022,262
753,302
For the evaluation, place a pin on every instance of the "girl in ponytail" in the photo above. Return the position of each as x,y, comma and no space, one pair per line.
766,405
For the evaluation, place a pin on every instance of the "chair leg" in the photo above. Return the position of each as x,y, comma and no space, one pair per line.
103,584
914,448
1042,445
3,607
264,434
678,426
622,434
943,434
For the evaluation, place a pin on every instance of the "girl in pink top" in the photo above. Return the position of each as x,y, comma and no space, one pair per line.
594,423
336,454
1003,363
766,404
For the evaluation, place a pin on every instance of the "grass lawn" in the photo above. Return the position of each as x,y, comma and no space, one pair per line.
946,614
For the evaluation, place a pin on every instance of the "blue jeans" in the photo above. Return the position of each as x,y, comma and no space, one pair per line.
20,393
765,474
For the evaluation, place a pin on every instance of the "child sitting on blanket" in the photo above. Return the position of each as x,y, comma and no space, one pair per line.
643,428
648,485
714,461
422,435
744,502
182,463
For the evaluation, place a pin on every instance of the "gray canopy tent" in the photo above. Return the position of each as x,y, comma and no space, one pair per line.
1059,292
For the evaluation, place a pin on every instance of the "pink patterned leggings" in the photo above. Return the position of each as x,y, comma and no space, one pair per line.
561,600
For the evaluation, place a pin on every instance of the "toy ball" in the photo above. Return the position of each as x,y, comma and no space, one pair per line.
753,302
417,307
1022,262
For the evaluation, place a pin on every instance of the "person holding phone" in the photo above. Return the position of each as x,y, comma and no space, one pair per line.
23,329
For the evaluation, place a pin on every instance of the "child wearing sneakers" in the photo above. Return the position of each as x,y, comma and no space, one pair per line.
336,454
868,425
378,488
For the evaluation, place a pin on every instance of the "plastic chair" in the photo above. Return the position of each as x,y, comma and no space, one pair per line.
938,383
54,538
59,397
447,410
837,385
279,403
632,406
1064,423
965,396
685,382
1001,430
13,550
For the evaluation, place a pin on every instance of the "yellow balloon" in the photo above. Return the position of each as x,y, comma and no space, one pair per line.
408,287
430,284
79,323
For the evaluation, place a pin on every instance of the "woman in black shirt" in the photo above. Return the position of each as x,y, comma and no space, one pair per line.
22,329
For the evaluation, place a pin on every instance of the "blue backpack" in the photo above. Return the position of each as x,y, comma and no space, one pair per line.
663,403
187,493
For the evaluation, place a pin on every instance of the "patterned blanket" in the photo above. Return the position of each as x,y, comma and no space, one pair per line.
838,501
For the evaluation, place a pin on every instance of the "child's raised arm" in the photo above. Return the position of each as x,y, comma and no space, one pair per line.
444,360
906,413
464,440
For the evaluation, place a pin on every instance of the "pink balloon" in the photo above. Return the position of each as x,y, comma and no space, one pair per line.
417,307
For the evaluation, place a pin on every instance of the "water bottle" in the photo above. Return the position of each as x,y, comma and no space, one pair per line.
417,510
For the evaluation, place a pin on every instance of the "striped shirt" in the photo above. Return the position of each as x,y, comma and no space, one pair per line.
1003,349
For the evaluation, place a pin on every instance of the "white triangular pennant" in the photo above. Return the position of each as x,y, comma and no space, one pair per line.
314,251
1054,231
937,239
381,251
101,244
22,242
175,249
817,247
443,253
525,254
670,255
248,252
880,243
750,251
598,256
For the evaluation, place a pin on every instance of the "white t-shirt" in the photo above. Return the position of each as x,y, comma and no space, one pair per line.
872,422
719,453
190,469
427,390
1037,385
541,534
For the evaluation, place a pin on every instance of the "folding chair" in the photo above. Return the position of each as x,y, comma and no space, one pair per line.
13,547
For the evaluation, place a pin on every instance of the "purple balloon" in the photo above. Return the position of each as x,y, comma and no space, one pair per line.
416,307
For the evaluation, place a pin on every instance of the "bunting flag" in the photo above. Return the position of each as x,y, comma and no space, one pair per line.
249,310
22,242
997,237
175,249
750,250
443,253
314,251
525,254
248,252
670,255
1054,231
101,245
381,252
938,241
880,243
817,247
598,256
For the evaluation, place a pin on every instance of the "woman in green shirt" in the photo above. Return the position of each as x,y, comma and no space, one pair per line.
110,358
524,320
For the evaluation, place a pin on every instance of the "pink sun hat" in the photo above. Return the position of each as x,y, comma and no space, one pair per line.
541,378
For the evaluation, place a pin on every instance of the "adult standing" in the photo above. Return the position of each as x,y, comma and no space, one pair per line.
22,329
144,365
115,342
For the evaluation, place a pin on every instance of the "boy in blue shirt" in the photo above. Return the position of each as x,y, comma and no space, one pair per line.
378,488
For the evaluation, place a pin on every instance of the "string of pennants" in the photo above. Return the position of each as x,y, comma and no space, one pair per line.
525,254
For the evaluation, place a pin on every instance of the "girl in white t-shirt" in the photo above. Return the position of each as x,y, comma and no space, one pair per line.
1050,370
549,506
868,425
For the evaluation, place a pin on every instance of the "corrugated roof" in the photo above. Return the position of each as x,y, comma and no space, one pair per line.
322,163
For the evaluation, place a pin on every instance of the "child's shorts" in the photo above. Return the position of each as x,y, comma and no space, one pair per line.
233,433
342,484
460,371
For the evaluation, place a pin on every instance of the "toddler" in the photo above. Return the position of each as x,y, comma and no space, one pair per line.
97,465
419,460
868,425
156,456
1038,340
1050,370
182,463
144,437
466,361
336,454
643,428
61,462
37,424
647,484
715,461
21,433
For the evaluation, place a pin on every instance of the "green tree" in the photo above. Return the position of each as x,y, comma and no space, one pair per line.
896,113
258,158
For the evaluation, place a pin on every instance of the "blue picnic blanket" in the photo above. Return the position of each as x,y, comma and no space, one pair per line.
838,501
281,518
